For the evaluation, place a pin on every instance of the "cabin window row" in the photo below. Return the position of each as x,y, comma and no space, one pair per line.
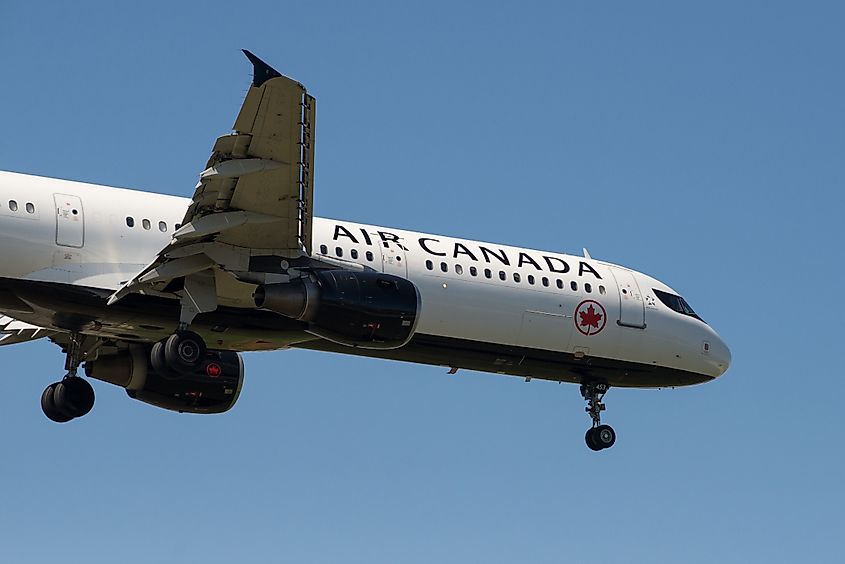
29,206
147,224
517,277
339,252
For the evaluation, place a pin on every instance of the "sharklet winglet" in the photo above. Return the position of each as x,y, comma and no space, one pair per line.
261,71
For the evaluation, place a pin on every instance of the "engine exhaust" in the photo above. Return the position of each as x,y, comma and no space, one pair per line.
299,299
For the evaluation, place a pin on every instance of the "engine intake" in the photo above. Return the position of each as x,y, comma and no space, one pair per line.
360,309
213,387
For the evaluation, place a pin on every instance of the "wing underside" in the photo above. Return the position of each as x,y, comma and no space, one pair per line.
13,331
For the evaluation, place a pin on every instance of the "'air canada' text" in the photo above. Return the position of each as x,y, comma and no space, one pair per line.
468,251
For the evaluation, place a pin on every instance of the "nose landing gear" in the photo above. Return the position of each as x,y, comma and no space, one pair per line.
598,436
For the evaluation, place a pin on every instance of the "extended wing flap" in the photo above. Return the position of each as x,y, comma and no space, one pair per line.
254,198
265,166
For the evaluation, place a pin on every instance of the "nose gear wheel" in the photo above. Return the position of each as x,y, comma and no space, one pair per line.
598,437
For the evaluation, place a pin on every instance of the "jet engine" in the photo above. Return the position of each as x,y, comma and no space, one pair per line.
213,387
365,309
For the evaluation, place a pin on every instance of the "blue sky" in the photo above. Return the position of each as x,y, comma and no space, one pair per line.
701,144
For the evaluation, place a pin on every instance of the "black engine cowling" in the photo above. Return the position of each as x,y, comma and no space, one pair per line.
213,387
362,309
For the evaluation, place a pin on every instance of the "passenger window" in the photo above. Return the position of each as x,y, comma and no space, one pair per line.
162,226
444,267
338,251
146,224
602,291
459,269
324,250
531,279
370,256
429,265
502,275
588,287
516,277
354,253
473,271
574,286
30,208
545,282
488,273
13,205
559,284
130,221
177,226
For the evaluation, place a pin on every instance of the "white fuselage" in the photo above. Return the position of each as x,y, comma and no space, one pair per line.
99,237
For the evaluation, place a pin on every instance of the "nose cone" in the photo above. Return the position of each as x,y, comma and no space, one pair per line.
720,356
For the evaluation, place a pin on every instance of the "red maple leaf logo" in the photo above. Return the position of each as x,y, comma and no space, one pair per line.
590,318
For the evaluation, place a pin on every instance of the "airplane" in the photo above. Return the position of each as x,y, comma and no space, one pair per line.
160,294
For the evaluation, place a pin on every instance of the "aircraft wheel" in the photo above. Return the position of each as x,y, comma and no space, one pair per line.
73,396
589,439
184,351
604,436
48,406
158,362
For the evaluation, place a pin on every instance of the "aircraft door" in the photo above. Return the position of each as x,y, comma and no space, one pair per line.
631,302
393,259
70,223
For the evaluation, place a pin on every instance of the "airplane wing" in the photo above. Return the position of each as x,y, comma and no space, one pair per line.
13,331
253,199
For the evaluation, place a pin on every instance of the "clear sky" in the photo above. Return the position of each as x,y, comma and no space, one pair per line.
701,143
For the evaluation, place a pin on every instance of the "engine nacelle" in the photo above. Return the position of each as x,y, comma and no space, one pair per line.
214,387
365,309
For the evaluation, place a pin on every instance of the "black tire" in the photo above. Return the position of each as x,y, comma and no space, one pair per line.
48,406
604,436
590,440
73,396
159,363
184,351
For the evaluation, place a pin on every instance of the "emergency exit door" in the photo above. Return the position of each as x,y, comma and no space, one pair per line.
70,223
393,259
631,302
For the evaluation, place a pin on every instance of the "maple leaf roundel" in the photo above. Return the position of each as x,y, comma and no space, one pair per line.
590,317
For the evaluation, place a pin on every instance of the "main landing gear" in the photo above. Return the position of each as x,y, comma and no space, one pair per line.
598,436
181,352
184,350
72,397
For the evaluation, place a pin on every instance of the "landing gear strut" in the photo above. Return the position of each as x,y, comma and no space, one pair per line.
72,397
598,436
184,351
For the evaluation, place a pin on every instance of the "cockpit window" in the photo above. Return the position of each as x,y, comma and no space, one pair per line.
676,303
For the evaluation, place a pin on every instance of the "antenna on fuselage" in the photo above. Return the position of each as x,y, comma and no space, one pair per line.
587,254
